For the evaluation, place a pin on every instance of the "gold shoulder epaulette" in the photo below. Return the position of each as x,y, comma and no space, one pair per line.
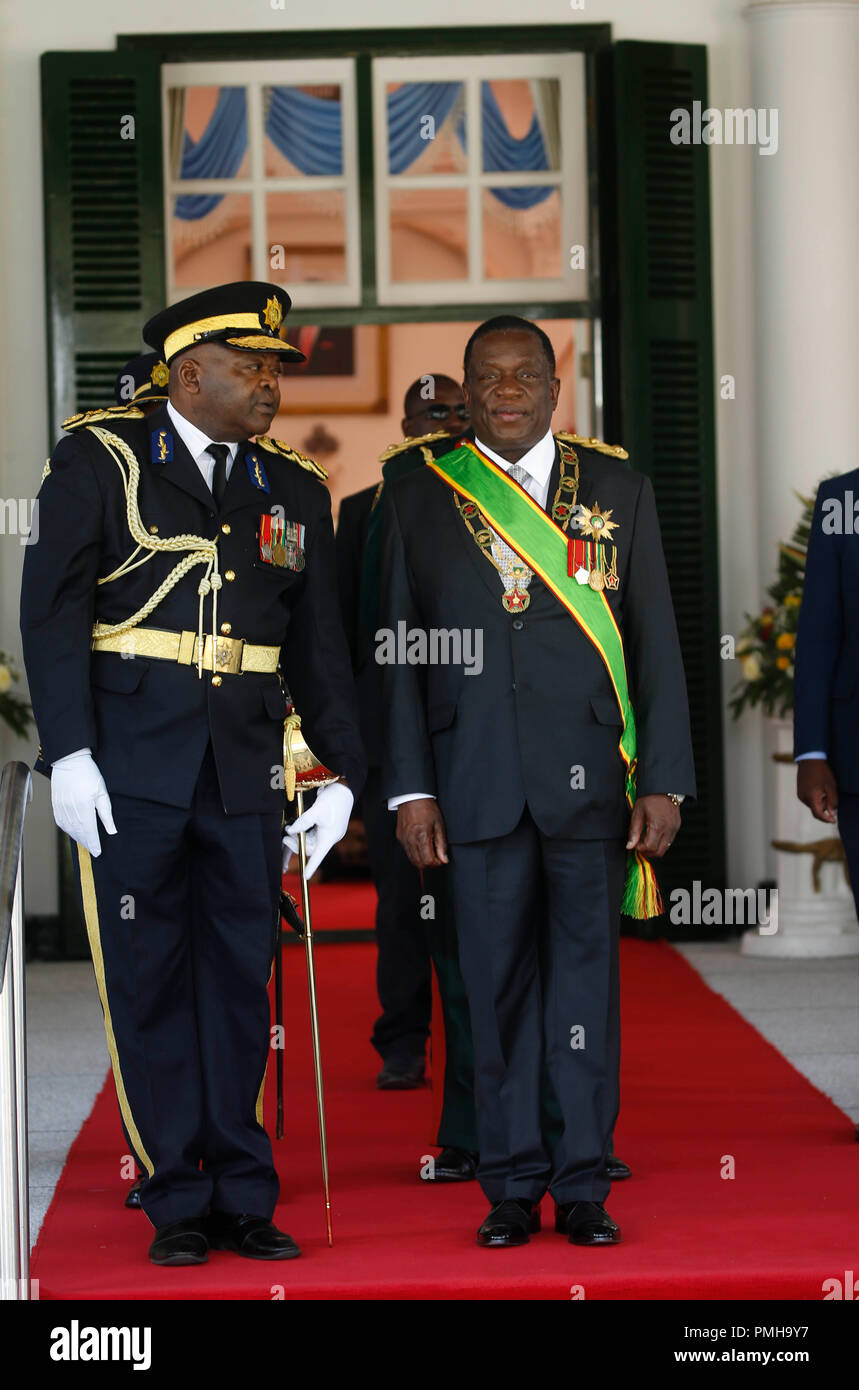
411,444
614,449
108,412
277,446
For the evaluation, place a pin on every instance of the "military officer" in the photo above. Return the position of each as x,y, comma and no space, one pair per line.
184,570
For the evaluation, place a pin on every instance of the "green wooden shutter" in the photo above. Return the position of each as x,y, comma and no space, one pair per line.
104,219
104,260
659,371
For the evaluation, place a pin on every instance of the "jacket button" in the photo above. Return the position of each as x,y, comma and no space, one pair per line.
230,576
226,528
518,624
226,629
216,680
153,530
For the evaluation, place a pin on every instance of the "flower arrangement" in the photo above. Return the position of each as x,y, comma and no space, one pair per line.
767,645
13,711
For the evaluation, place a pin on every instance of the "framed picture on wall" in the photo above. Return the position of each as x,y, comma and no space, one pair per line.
346,372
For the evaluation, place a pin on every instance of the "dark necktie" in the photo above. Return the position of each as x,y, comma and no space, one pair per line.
220,453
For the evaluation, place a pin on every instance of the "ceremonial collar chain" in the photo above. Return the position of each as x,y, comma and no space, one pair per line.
515,574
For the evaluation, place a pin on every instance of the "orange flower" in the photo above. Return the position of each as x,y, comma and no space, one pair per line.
782,662
786,641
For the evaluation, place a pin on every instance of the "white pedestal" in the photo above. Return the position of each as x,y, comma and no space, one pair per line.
810,925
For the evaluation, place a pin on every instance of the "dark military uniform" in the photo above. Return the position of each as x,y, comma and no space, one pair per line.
182,903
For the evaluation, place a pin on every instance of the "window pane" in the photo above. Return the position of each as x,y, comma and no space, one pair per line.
211,239
208,133
306,235
521,125
522,233
429,234
303,131
426,127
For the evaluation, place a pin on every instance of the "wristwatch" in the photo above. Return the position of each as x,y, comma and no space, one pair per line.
676,797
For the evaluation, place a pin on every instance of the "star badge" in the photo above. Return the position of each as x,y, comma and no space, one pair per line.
159,375
273,313
593,522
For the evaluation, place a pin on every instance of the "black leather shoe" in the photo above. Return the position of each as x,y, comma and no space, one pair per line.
255,1237
586,1223
133,1198
511,1222
616,1168
454,1165
180,1243
401,1074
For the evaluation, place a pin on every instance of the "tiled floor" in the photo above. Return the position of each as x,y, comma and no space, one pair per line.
808,1009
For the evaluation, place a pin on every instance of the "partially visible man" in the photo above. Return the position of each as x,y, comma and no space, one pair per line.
182,571
433,404
529,778
826,680
142,383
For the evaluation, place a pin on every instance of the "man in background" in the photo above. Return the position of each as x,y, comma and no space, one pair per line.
432,404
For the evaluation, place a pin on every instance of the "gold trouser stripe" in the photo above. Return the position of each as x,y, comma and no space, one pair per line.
91,915
261,1092
260,1095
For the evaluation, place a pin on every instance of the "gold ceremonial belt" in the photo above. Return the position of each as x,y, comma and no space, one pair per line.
233,655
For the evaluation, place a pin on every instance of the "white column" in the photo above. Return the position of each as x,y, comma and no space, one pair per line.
805,66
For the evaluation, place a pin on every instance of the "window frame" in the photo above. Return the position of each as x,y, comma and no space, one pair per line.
568,178
363,45
253,75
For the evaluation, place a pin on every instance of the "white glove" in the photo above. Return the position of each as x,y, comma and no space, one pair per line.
77,793
324,824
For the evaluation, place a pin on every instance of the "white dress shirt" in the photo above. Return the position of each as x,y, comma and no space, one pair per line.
537,463
197,444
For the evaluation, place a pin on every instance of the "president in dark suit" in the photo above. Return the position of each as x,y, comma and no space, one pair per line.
184,568
511,754
826,680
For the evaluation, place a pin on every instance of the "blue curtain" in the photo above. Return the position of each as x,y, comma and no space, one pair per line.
307,131
217,154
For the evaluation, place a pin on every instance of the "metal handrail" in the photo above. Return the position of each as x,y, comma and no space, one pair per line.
15,792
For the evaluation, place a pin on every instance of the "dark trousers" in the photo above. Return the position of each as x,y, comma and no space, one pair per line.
182,913
458,1123
538,926
403,968
848,829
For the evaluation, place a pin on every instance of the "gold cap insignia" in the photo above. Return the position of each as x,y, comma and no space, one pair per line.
273,313
160,375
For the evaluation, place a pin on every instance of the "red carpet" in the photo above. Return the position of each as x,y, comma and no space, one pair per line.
344,905
698,1084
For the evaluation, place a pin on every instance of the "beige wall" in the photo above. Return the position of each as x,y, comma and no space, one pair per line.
29,29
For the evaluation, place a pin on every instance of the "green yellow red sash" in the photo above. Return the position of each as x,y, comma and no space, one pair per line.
530,531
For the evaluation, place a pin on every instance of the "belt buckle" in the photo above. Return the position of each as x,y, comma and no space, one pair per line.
228,655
